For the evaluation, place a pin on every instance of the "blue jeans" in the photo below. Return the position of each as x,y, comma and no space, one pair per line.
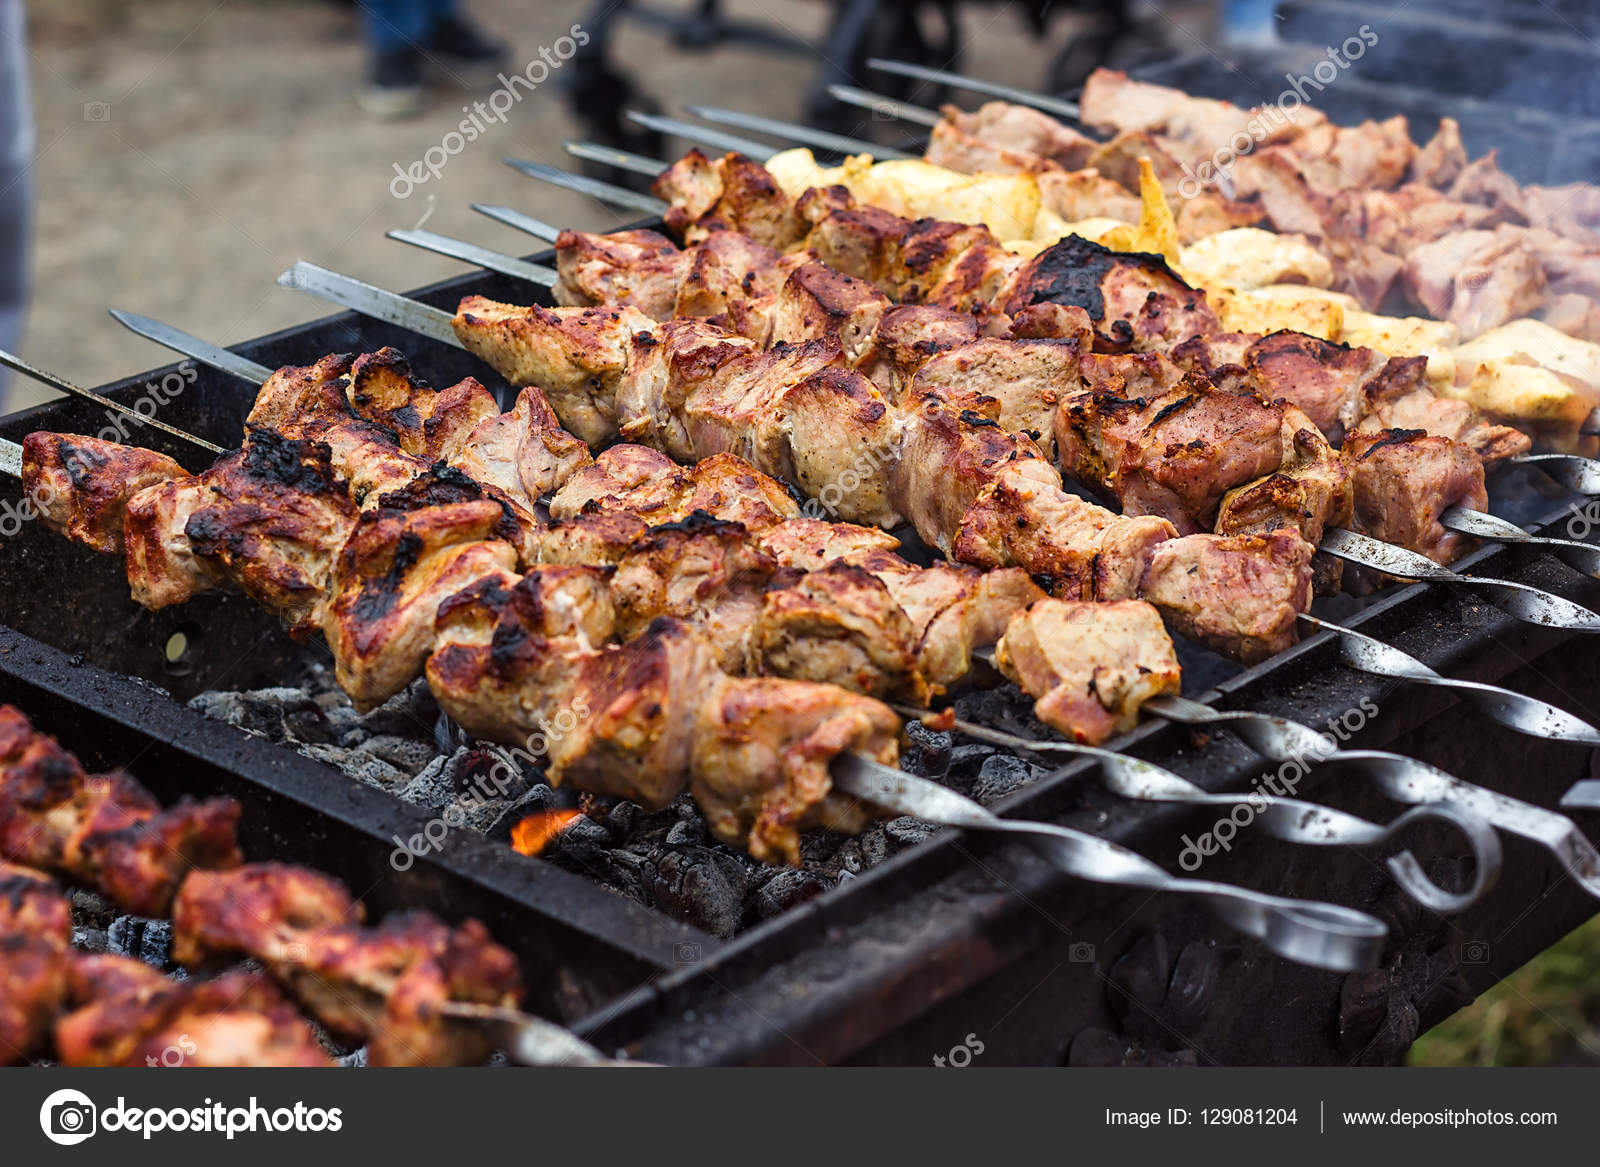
16,178
393,25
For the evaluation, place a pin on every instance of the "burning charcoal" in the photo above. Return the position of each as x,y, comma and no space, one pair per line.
406,754
264,712
787,889
906,831
435,785
357,764
999,776
623,819
700,886
686,833
927,752
407,714
147,940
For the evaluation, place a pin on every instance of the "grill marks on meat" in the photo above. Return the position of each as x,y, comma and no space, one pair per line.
102,829
82,485
383,984
654,716
1093,665
1404,479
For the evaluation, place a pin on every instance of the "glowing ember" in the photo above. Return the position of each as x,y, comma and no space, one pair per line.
533,834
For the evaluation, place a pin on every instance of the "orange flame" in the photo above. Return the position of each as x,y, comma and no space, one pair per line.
533,834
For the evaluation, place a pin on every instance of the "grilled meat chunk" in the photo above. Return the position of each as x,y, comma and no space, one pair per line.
523,452
104,830
35,960
1323,379
1477,280
82,486
1239,594
1308,491
999,130
728,193
1404,480
1026,378
131,1015
1092,665
431,424
642,269
646,483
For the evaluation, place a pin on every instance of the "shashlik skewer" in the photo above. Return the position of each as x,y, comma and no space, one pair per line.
968,486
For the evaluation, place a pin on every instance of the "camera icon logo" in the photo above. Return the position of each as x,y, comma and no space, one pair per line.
67,1117
686,952
1081,953
1475,952
96,111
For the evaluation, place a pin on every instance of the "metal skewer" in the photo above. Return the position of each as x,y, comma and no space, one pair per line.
1064,109
481,256
1290,820
1526,715
606,192
613,156
1403,779
50,379
805,135
1583,556
1318,934
1523,601
538,228
885,106
716,139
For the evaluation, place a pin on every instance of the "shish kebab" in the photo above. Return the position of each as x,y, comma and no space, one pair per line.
1393,395
1038,647
1297,821
417,991
490,658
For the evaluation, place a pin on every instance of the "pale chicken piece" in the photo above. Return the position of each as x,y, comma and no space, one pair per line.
1026,377
391,577
523,452
906,337
1308,492
1249,312
574,354
1247,258
1238,594
1406,336
1404,480
1442,159
82,485
1089,666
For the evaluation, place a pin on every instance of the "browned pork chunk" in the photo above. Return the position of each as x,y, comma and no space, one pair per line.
1239,594
1404,480
1090,665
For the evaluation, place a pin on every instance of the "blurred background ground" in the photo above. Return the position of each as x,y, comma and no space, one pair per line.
230,146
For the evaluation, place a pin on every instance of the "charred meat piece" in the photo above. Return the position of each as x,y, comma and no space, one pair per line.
644,482
82,486
104,830
1091,665
35,960
431,424
1404,480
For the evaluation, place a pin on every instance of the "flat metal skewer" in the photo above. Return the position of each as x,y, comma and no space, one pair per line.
1055,105
15,362
805,135
917,115
716,139
1401,778
613,156
538,228
481,256
1290,820
606,192
1583,556
1318,934
1526,715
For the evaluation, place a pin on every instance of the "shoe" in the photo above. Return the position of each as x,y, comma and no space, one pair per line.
394,87
466,54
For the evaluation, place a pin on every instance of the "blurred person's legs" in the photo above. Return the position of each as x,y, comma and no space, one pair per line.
16,179
407,34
